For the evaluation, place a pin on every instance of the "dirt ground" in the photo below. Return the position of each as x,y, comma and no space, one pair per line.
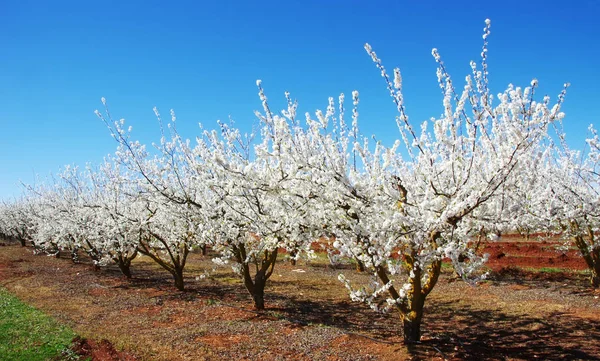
516,315
513,251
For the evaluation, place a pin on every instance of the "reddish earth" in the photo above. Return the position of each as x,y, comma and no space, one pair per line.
515,316
531,254
513,251
99,351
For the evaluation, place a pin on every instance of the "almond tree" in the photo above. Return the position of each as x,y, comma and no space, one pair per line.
18,221
169,236
261,198
120,215
48,236
170,190
566,198
402,212
68,222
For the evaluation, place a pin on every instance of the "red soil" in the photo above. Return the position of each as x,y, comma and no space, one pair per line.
513,251
99,351
531,254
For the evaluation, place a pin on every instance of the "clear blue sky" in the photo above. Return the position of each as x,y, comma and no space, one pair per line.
202,58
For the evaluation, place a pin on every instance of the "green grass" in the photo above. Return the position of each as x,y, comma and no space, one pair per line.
27,334
551,270
561,270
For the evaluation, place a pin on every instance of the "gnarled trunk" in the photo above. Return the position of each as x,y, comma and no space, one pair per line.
421,284
590,254
22,238
258,291
123,261
264,270
177,258
125,269
178,277
411,325
412,314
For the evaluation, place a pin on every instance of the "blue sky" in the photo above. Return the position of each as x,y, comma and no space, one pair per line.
202,59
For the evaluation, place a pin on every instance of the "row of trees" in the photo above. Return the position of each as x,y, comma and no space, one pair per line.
488,164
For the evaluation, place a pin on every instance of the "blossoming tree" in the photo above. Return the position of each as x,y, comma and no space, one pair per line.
399,211
402,212
565,199
120,215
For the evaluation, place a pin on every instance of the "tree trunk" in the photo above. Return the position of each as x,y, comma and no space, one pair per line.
203,250
125,268
177,259
256,286
412,327
178,277
360,266
75,255
411,305
595,256
411,321
411,310
123,260
258,292
293,255
595,278
592,258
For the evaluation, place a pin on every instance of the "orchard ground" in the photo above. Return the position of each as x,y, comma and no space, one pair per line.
536,306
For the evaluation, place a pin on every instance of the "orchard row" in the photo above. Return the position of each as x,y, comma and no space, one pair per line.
488,164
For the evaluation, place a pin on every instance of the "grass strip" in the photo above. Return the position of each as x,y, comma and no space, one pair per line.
27,334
